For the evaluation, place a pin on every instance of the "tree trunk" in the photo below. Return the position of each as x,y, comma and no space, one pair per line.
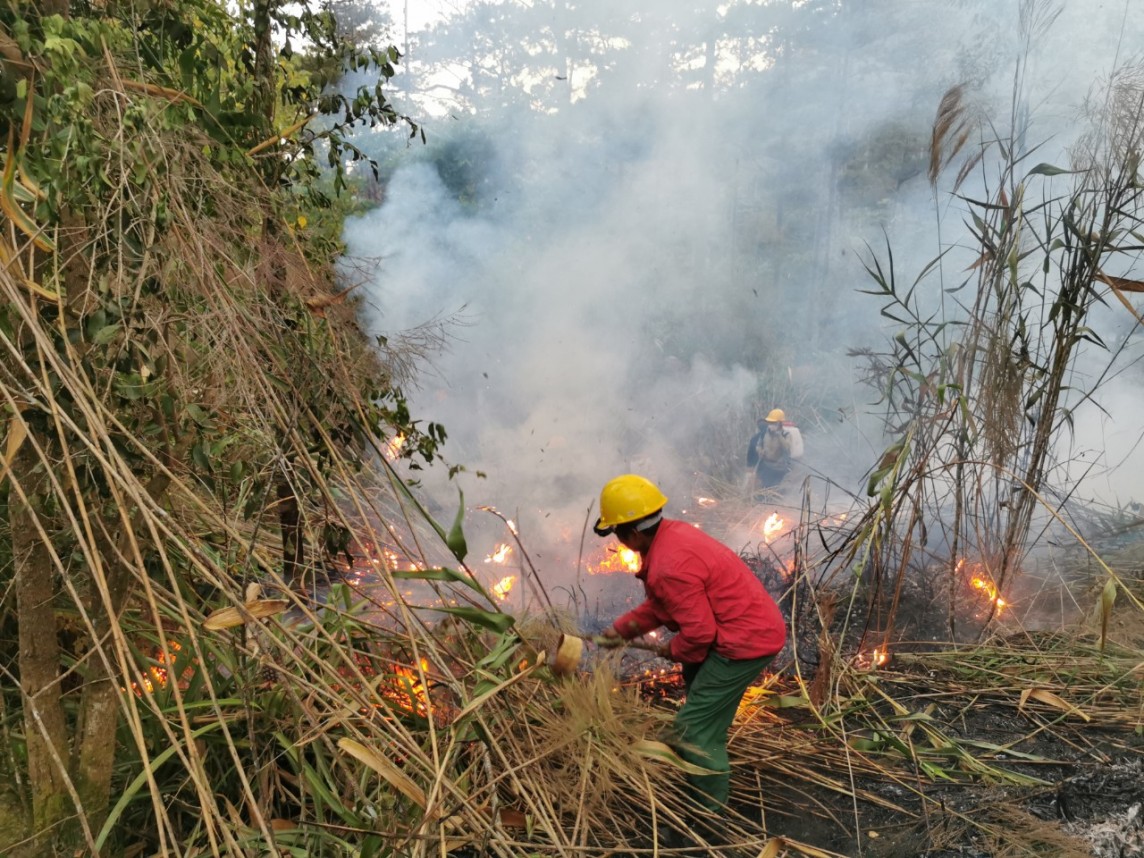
45,728
94,758
99,710
290,526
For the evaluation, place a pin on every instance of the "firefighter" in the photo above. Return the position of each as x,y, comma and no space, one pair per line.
772,449
728,626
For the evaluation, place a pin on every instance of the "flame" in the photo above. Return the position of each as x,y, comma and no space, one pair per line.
396,563
990,590
706,502
407,689
772,528
158,675
500,554
873,659
393,448
984,583
616,559
502,588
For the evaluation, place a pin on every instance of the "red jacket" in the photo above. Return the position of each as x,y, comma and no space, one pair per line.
699,587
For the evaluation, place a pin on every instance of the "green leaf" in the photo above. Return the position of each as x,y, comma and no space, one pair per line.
199,415
494,620
1047,170
456,537
140,781
501,654
400,484
199,456
787,701
105,335
442,574
860,743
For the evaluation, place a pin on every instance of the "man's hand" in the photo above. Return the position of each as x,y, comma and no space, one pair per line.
609,638
664,651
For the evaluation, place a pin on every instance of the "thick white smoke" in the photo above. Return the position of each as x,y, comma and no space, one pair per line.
649,262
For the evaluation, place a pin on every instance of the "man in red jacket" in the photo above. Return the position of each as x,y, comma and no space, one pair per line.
728,626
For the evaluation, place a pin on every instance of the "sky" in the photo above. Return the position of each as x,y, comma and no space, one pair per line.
420,15
646,269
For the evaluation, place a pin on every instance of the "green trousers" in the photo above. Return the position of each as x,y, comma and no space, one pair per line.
714,689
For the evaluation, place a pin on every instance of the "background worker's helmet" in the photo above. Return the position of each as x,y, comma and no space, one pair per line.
777,415
626,499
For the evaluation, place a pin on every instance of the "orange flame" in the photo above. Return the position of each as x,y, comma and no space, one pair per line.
772,528
500,554
158,674
393,448
408,691
985,584
502,588
616,559
990,590
873,659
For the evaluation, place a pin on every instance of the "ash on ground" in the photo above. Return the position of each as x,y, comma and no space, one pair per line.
1105,808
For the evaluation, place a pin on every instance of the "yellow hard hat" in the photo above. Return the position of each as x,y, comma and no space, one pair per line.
627,498
777,415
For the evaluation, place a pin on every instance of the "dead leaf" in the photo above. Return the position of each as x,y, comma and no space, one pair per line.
318,304
1121,283
396,778
17,434
512,818
228,618
1043,695
568,655
653,750
778,846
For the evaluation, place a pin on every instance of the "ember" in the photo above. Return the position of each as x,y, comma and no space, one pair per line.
158,675
407,690
664,683
369,554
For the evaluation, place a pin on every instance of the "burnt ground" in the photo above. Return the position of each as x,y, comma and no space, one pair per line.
962,795
1046,642
1090,801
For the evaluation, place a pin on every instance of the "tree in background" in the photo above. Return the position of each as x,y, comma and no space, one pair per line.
362,23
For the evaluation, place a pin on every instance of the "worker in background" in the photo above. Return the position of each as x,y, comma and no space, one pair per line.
772,449
728,626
